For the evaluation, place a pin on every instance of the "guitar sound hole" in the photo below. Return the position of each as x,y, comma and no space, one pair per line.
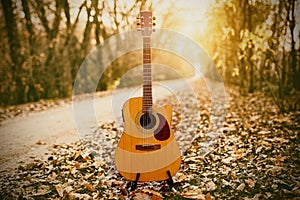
147,120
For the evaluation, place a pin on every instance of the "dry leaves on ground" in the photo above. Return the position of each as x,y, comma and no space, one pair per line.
255,156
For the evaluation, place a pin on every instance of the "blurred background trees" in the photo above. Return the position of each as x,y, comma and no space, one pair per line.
254,43
46,41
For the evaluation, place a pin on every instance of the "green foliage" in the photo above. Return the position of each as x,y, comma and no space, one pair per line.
256,49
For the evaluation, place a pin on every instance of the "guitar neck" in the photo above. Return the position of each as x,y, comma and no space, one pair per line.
147,76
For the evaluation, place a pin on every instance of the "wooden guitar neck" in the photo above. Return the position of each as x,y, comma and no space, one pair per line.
147,75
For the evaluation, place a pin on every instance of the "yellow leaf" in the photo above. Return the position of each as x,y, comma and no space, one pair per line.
89,187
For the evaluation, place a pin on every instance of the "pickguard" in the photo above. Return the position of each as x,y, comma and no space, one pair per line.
162,133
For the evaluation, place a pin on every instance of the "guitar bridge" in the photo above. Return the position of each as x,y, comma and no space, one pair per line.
147,147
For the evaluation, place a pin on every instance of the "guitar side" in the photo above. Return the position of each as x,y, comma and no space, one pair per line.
139,151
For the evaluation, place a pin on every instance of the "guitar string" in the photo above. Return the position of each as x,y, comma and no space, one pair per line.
147,90
146,84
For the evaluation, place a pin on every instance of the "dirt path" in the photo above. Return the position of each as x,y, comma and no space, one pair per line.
30,137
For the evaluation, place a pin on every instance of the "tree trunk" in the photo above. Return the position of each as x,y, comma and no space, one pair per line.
293,50
15,55
33,94
11,30
29,26
67,14
250,51
87,32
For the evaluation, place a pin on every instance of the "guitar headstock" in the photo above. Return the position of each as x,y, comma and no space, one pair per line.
146,23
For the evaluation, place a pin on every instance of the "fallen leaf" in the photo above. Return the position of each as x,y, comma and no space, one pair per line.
73,196
89,187
241,187
210,186
77,155
39,142
59,190
250,182
208,197
258,150
227,160
153,192
141,196
194,194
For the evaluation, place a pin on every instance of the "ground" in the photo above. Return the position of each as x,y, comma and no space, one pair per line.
253,155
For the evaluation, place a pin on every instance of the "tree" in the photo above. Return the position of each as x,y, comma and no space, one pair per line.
44,44
16,58
259,49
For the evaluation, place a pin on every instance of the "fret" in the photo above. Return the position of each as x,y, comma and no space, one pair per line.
147,103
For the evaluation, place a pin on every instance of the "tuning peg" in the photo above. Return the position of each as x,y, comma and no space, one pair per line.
153,18
138,24
139,29
139,17
153,30
153,24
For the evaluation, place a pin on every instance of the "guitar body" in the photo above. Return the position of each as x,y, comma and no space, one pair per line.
147,146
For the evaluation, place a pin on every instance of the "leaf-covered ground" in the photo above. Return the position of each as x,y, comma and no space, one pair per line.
255,156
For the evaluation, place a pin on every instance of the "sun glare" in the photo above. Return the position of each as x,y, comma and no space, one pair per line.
184,16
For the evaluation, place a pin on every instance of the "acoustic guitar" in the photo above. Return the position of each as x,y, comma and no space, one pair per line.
147,150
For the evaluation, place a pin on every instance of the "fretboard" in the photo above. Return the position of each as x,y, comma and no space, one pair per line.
147,77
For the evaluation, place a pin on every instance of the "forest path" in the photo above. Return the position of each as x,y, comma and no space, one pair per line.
24,138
